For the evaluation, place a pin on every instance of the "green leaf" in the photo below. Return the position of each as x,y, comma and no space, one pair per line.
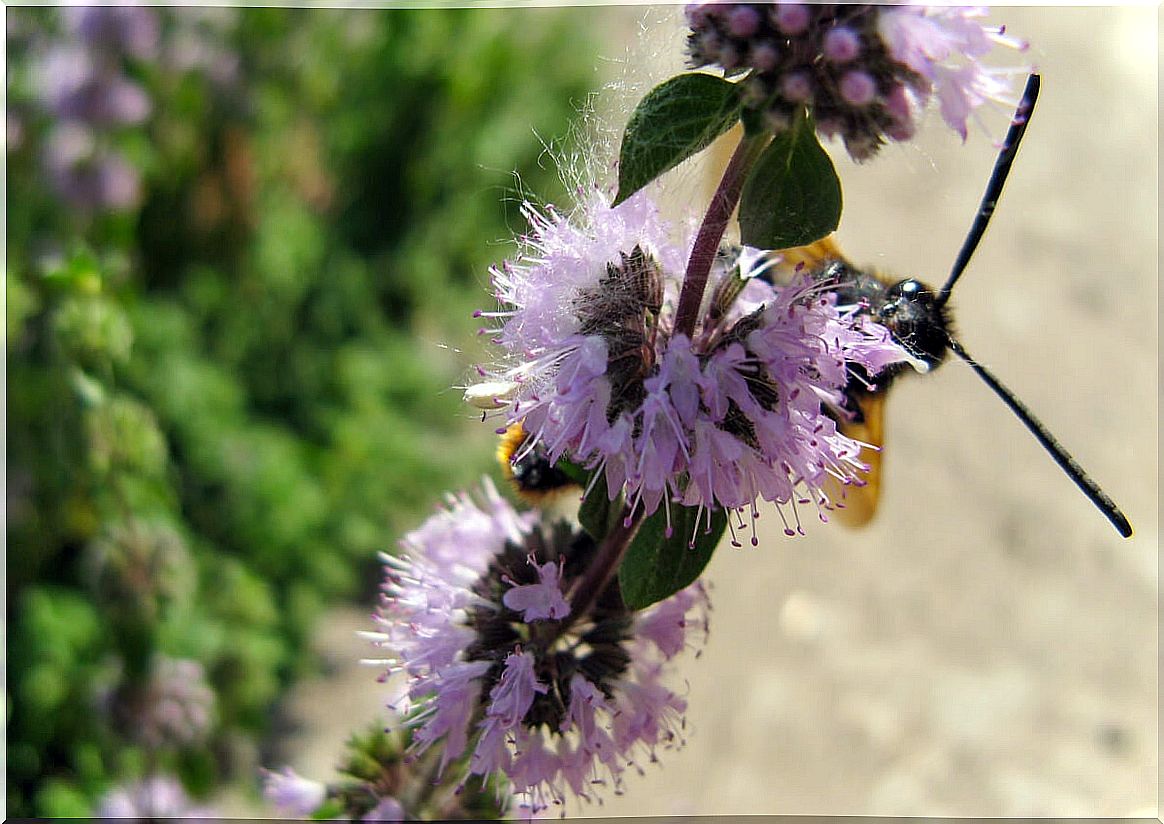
331,808
677,119
597,509
575,472
61,798
754,122
656,567
792,196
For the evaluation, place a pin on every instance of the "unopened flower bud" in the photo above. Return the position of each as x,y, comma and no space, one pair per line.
858,88
841,45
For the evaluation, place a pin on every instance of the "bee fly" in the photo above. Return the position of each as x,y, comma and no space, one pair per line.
919,320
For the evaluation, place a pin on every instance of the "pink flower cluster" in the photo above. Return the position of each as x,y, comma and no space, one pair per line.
944,46
730,415
863,69
496,671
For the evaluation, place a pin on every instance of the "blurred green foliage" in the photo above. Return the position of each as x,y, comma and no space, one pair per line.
225,398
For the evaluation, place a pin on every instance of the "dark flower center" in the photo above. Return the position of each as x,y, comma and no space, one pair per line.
593,646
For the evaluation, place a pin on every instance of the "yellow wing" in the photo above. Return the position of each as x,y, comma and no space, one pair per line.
856,505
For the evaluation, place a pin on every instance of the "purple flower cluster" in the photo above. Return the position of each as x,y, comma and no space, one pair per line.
731,414
83,86
499,672
863,69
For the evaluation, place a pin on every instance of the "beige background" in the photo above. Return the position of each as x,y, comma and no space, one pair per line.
988,647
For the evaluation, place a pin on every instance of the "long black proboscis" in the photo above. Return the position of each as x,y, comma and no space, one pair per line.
1068,464
1006,155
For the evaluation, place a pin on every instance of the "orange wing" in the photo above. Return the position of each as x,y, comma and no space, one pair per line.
856,505
810,256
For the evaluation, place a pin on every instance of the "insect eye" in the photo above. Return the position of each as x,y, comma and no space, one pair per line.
909,289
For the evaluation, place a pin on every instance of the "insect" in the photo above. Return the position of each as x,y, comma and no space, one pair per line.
527,467
490,395
919,320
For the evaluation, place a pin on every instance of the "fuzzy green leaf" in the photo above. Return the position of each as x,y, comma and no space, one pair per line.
597,509
792,196
656,566
575,472
677,119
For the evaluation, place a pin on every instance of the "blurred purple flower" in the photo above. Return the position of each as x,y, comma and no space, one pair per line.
389,809
14,131
174,707
556,704
292,794
116,30
594,372
88,176
199,42
82,84
74,86
153,798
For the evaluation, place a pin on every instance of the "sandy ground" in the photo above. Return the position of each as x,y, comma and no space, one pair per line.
988,646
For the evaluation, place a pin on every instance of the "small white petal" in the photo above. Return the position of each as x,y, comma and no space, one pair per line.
491,394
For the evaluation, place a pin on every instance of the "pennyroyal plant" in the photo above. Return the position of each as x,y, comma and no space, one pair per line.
677,382
714,418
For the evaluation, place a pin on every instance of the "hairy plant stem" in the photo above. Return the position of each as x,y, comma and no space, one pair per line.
427,792
424,783
604,566
711,230
719,212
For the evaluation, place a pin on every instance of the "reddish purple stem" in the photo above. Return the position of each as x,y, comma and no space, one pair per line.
719,212
715,222
605,564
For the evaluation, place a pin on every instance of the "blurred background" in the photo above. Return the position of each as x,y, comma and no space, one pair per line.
244,246
243,250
